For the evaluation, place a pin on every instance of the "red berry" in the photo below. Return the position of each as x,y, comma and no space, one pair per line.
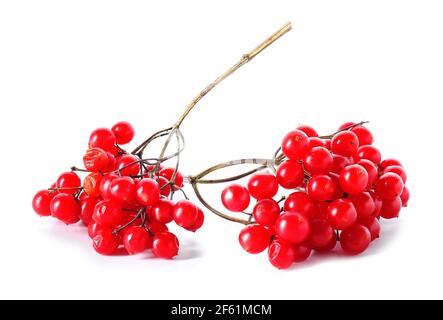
316,142
162,211
122,190
123,132
345,143
405,196
371,169
354,179
329,247
364,135
391,208
364,204
293,227
389,162
310,131
299,202
321,188
128,165
355,240
370,153
320,234
68,182
157,227
136,239
281,254
254,238
95,160
147,192
262,185
65,208
93,229
266,212
341,214
301,253
198,222
168,173
112,162
102,138
105,185
389,186
105,242
340,163
318,161
290,174
235,198
295,145
87,206
107,213
165,187
91,184
185,213
373,226
346,126
165,245
41,203
397,170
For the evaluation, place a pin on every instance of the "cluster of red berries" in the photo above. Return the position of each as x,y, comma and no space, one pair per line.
341,188
124,200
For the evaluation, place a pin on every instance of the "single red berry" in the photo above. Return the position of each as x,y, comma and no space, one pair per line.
316,142
68,182
346,126
87,206
147,192
105,185
371,169
290,174
128,164
373,226
345,143
389,186
41,203
157,227
405,197
122,190
339,163
338,191
318,161
295,145
165,245
354,179
355,240
93,229
112,163
389,162
378,203
310,131
95,160
162,211
105,242
299,202
370,153
91,184
293,227
123,132
235,198
198,222
364,204
107,213
65,208
165,187
329,247
320,234
397,170
262,185
364,135
301,253
321,210
321,187
391,208
254,238
341,214
136,239
266,212
185,213
102,138
168,173
281,254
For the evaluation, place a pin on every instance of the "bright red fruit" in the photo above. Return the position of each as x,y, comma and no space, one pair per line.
165,245
345,143
105,185
136,239
162,211
123,132
128,165
164,185
41,203
295,145
68,182
65,208
262,185
320,234
105,242
370,153
310,131
354,179
339,163
341,214
147,192
93,229
266,212
355,240
96,159
185,213
321,188
102,138
107,213
329,247
254,238
318,161
91,184
293,227
235,198
346,126
389,186
198,222
405,197
373,226
364,135
299,202
364,204
397,170
290,174
371,169
281,254
168,173
391,208
87,206
389,162
301,253
122,190
316,142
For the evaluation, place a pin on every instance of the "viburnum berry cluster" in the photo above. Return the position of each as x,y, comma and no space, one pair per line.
124,200
340,188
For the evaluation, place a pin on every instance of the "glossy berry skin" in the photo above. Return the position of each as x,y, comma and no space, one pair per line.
405,197
293,227
397,170
157,227
318,161
162,211
87,206
235,198
136,239
107,213
102,138
370,153
281,254
389,186
198,222
290,174
373,226
295,145
341,214
345,143
122,190
301,253
299,202
390,209
105,242
364,204
266,212
339,163
41,203
168,173
389,162
65,208
185,213
353,179
93,229
123,132
91,184
69,182
355,240
316,142
95,160
310,131
321,188
105,185
147,192
165,187
346,126
254,238
329,247
371,169
320,234
165,245
263,185
128,165
364,135
112,162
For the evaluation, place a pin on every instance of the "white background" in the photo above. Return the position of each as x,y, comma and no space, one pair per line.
67,67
